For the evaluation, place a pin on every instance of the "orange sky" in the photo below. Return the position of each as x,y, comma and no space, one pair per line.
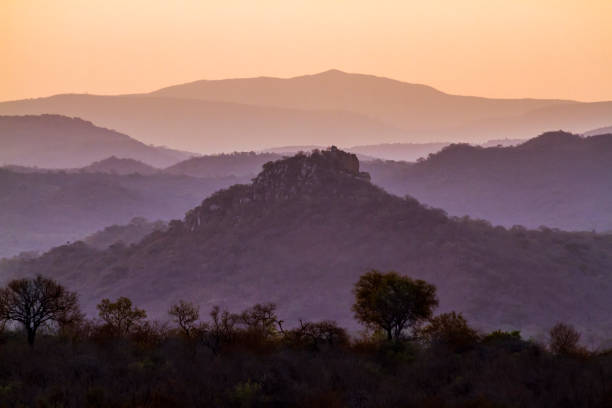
511,48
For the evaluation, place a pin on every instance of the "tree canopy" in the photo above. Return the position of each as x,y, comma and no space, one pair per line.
33,302
392,303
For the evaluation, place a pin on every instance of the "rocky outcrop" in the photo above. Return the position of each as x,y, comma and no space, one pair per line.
305,175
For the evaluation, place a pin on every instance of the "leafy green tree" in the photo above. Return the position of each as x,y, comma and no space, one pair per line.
35,302
120,316
393,303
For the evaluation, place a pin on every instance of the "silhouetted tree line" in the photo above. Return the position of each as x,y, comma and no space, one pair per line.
407,356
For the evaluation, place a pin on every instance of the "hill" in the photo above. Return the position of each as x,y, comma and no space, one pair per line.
127,234
425,113
600,131
398,151
308,226
55,141
210,126
412,107
557,179
115,165
338,107
40,210
234,164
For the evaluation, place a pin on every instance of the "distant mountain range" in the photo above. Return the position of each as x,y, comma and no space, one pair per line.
557,180
600,131
332,107
53,141
308,226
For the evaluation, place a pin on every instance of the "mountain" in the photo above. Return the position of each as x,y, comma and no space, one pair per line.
412,107
55,141
40,210
412,152
558,179
308,226
398,151
425,113
334,106
291,150
115,165
126,234
234,164
502,142
600,131
209,126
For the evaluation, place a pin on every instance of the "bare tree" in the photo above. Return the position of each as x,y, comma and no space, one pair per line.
220,331
564,340
261,319
185,314
34,302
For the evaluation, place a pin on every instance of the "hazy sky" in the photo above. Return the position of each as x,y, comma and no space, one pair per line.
512,48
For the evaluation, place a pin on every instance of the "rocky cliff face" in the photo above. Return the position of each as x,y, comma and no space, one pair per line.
305,175
302,173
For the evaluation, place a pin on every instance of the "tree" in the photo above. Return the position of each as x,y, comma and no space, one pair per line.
185,314
34,302
313,335
220,331
449,329
392,303
564,340
261,319
120,317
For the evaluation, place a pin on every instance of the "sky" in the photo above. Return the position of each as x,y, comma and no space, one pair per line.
494,48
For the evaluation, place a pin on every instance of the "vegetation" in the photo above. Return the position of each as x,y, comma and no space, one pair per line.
530,184
35,302
250,359
40,210
309,226
392,303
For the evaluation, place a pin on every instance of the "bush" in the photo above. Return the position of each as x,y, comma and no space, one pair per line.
451,330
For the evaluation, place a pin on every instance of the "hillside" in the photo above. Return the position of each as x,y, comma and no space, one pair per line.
54,141
40,210
243,164
210,126
398,151
557,179
308,226
600,131
329,107
128,234
116,165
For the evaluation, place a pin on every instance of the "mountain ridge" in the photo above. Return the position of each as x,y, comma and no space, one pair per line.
557,179
57,141
322,109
